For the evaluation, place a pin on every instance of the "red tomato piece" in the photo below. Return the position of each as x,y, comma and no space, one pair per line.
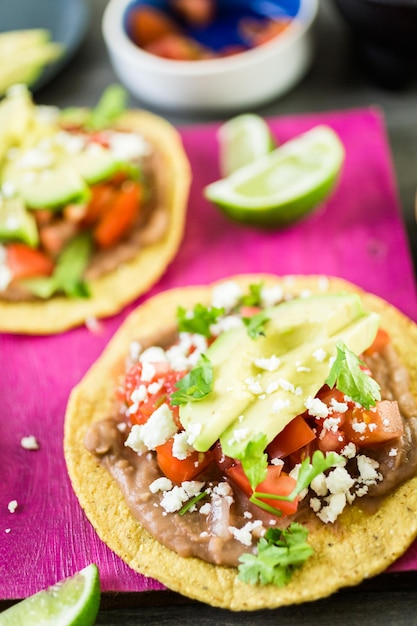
120,216
147,24
276,483
381,340
195,12
374,427
26,262
163,374
295,435
179,470
176,47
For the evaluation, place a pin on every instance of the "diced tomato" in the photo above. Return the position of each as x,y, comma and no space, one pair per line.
374,427
331,440
381,340
147,24
295,435
330,433
55,235
179,470
249,311
195,12
176,47
166,377
75,212
120,216
26,262
102,198
277,482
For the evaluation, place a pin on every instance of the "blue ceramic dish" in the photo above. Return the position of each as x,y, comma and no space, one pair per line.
67,21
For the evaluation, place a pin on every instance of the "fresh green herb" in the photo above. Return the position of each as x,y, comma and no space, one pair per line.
109,108
198,320
279,554
188,505
255,460
349,378
68,273
306,474
196,384
255,324
254,297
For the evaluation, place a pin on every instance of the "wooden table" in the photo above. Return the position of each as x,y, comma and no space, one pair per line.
334,82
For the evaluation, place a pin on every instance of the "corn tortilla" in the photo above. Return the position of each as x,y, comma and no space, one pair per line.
112,291
362,546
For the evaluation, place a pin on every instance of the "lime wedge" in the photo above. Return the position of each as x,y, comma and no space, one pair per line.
72,601
242,140
285,184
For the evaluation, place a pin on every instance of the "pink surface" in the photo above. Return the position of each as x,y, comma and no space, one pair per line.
357,235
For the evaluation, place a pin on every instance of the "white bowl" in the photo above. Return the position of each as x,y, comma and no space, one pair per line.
245,80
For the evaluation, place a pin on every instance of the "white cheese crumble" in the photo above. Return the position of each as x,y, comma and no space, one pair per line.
244,534
280,404
226,295
12,506
319,355
335,504
339,480
148,371
160,484
128,146
181,448
316,407
173,500
29,443
226,323
271,295
270,364
154,354
159,427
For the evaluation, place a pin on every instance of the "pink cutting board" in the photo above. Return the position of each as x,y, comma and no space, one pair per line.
358,235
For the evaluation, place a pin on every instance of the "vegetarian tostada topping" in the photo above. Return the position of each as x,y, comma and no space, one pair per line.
92,209
77,196
256,420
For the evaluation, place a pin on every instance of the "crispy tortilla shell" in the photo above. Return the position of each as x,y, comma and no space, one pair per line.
112,291
358,547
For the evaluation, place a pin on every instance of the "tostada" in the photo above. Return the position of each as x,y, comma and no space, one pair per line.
252,443
92,209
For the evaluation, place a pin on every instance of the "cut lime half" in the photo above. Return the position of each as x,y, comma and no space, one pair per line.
284,185
72,601
243,140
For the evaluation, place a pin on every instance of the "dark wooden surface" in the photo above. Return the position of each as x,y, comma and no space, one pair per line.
336,81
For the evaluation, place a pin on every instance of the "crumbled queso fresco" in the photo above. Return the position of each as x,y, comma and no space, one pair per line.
328,494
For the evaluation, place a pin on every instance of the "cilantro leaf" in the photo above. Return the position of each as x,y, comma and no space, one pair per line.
255,324
198,320
195,385
279,553
254,297
255,460
109,108
349,378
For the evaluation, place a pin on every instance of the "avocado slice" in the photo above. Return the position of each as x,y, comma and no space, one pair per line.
293,325
16,224
270,415
54,188
25,53
95,165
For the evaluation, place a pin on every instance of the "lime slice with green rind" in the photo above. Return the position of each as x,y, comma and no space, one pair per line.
73,601
284,185
243,140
